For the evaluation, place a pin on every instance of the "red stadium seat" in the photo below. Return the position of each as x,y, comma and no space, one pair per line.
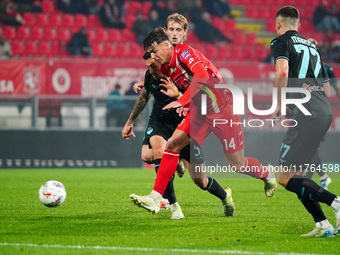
251,38
251,11
98,49
261,52
218,23
1,31
80,20
101,35
249,52
31,48
23,33
210,51
115,35
230,25
29,19
122,50
109,49
129,21
239,37
36,33
133,8
223,52
91,34
146,8
93,21
264,12
17,47
63,34
200,46
41,19
48,6
9,32
50,33
235,52
56,48
191,38
45,48
128,35
67,20
136,51
55,20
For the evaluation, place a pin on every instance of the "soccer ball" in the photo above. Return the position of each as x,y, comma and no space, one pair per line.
52,193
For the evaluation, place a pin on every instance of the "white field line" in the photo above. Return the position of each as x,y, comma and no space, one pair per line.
118,248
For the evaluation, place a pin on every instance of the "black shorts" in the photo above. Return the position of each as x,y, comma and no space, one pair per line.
162,129
165,130
301,142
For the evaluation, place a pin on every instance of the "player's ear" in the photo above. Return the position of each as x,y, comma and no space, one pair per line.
277,24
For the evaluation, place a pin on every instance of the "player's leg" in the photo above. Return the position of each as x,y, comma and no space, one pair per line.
310,194
232,140
295,150
316,166
158,145
194,155
146,154
165,172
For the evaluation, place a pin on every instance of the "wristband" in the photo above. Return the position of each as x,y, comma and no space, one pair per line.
180,95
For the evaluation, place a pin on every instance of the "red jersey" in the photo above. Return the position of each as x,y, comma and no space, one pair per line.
179,69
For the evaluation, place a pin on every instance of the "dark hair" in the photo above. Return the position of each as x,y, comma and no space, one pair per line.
157,35
288,12
146,55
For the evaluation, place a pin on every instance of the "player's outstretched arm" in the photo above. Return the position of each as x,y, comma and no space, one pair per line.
327,89
281,78
140,104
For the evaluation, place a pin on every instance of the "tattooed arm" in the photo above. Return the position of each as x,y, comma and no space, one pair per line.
140,104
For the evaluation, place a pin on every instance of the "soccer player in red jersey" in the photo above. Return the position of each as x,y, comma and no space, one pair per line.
184,65
176,29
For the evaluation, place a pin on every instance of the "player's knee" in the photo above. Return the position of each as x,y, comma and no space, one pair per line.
146,158
172,145
157,152
201,182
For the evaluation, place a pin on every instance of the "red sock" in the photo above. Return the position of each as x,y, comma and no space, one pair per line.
254,169
166,170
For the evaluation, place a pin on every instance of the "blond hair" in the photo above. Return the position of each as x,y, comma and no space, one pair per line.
177,18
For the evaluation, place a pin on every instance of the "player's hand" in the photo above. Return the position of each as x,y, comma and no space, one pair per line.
138,87
127,131
277,113
171,89
172,105
182,111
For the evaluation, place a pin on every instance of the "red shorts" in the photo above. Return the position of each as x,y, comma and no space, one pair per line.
226,126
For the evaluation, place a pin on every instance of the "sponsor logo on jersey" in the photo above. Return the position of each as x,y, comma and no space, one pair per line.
186,52
312,88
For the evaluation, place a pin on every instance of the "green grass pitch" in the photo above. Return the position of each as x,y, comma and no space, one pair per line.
98,217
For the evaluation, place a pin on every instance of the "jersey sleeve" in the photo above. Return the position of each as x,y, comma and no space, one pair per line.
279,49
188,56
332,77
325,74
